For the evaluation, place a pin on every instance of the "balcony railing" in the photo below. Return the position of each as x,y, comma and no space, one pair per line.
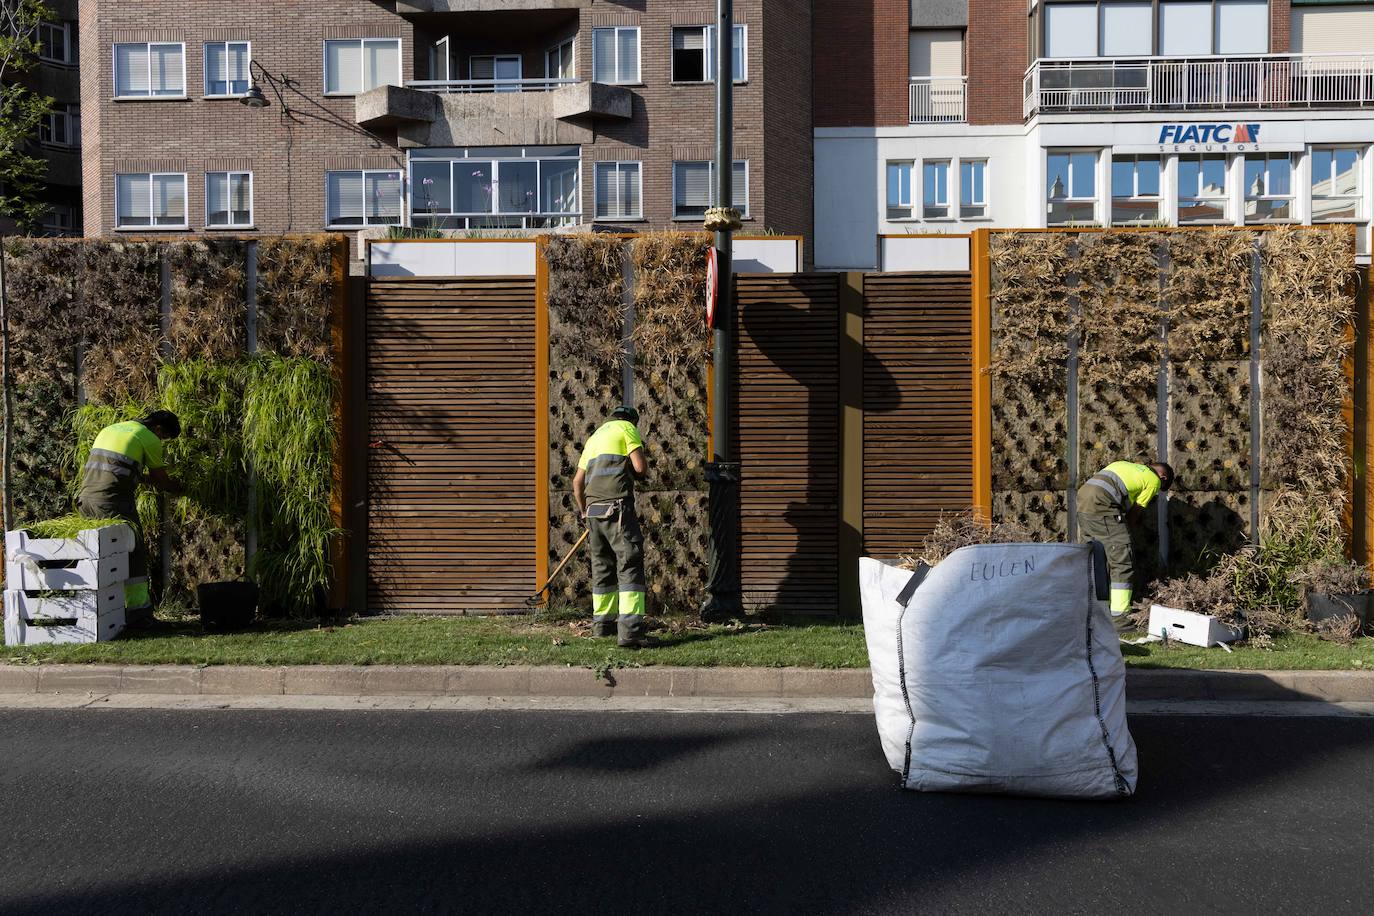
1176,84
937,98
468,86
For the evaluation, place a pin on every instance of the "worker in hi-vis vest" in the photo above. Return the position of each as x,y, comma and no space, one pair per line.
123,454
1110,503
604,489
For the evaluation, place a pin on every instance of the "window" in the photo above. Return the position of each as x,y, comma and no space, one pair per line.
150,200
973,189
694,54
1169,28
496,187
55,42
226,68
1125,29
1071,30
1071,187
560,62
497,68
935,189
60,219
694,188
1335,184
1268,187
1242,26
618,190
1202,196
153,70
615,55
61,126
899,190
357,65
1135,189
363,198
229,200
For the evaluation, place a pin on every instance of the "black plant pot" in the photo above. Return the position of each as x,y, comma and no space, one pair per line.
227,606
1323,607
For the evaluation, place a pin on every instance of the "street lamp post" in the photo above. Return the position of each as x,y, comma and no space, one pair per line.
724,601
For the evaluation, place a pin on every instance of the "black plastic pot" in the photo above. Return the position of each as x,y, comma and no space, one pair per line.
1323,607
227,605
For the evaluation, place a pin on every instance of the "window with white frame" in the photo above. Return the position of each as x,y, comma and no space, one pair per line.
229,200
560,62
226,68
353,66
694,54
1268,187
155,200
1141,28
899,190
619,190
1335,184
935,189
61,126
533,187
55,43
363,198
615,54
150,70
1070,187
1202,195
1135,189
973,188
694,188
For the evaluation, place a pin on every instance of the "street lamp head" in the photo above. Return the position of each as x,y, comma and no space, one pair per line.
255,97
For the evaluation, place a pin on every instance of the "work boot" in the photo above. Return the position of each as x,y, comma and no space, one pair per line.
603,626
634,634
1124,624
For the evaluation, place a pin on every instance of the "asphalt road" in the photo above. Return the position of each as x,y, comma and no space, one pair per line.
110,811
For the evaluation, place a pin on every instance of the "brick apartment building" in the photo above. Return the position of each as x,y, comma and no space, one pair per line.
968,113
452,114
59,134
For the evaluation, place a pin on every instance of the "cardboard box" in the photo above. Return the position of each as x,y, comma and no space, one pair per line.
94,544
85,617
1193,629
27,575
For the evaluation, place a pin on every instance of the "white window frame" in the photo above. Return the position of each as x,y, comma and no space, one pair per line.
639,53
903,202
66,29
1068,197
1157,198
948,210
1291,196
362,68
983,203
557,49
709,54
152,227
363,173
1195,194
711,183
617,165
1358,196
229,225
149,96
71,114
205,69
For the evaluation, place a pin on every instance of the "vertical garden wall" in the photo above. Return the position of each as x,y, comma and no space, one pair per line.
233,336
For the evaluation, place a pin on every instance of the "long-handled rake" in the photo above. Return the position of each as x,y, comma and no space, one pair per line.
537,598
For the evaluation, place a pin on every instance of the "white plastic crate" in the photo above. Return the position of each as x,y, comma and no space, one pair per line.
29,575
95,544
81,617
1194,629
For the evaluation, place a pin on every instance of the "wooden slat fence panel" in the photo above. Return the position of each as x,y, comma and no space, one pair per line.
788,415
918,393
450,387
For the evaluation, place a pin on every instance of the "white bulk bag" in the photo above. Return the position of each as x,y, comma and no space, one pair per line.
1001,673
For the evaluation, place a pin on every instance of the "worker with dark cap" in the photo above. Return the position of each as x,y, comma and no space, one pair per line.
123,455
1110,504
604,489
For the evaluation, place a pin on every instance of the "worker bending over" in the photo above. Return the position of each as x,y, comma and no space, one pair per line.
1110,503
604,488
122,455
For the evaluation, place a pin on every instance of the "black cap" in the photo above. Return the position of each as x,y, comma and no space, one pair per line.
626,412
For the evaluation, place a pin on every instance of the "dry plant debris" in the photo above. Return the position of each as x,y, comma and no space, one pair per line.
1119,308
954,532
296,288
209,317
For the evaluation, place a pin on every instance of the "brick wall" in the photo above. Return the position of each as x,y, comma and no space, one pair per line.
860,75
997,60
787,118
1280,26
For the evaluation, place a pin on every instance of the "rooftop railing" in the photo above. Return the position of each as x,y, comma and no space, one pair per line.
469,86
937,98
1183,84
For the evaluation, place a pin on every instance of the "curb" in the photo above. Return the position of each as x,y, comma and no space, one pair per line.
536,681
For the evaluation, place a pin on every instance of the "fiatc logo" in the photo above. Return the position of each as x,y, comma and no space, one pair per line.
1209,136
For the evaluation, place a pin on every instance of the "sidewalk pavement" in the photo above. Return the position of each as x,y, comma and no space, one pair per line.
654,681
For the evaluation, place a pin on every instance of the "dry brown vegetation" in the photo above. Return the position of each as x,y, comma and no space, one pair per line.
296,296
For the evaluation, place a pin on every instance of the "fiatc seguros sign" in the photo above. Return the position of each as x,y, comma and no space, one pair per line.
1203,138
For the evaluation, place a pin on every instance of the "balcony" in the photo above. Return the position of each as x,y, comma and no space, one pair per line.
936,99
1274,81
492,112
420,7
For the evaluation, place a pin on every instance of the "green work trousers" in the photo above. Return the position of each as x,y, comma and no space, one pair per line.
615,544
138,600
1100,519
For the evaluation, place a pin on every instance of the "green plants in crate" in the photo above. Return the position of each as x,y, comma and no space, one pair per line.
66,527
